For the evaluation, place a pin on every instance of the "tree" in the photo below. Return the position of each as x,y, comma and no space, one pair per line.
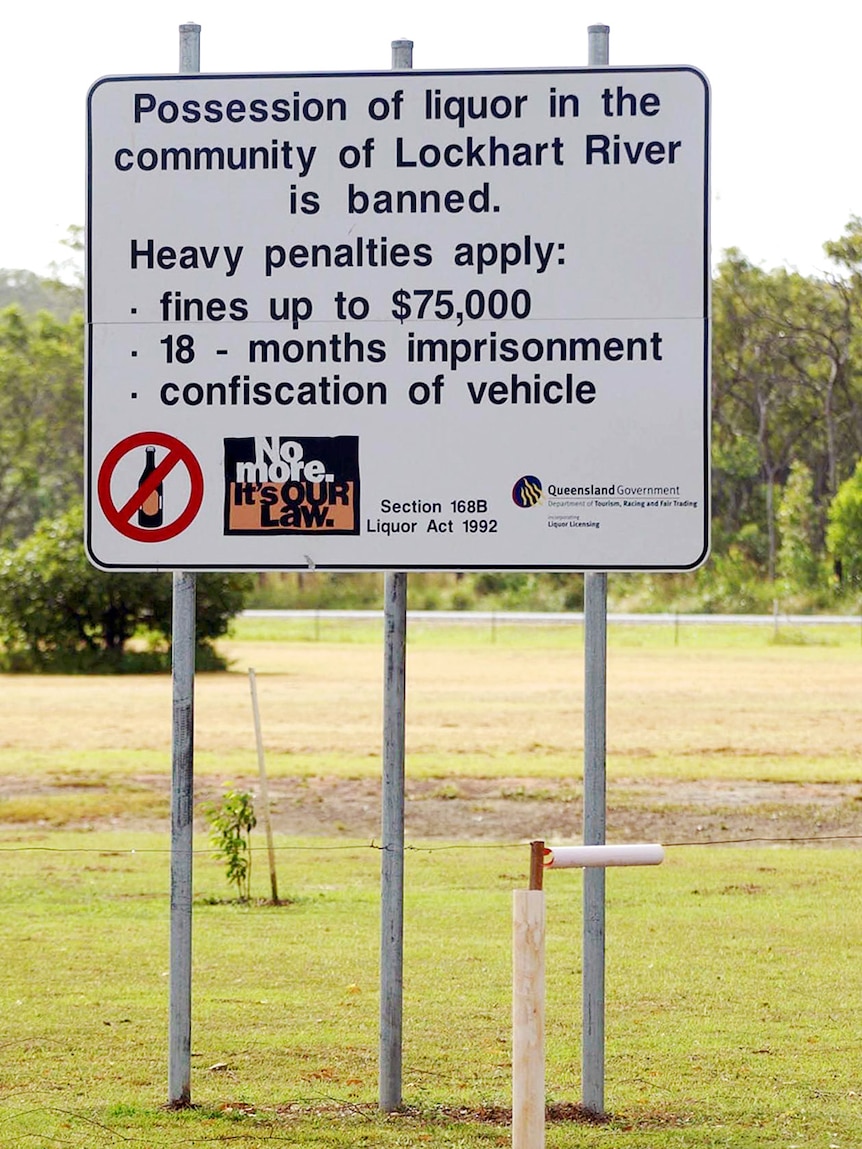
41,432
799,562
844,534
846,252
33,294
231,825
58,610
787,390
760,409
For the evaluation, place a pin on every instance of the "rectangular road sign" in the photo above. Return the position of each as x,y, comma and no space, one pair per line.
399,320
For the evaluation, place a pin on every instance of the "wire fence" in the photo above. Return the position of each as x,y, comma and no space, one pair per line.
780,625
419,847
563,618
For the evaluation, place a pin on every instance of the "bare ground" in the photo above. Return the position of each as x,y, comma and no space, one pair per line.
510,809
516,809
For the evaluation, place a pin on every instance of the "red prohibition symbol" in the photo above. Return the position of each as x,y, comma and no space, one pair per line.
178,454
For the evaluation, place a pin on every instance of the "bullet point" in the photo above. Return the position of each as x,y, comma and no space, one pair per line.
134,354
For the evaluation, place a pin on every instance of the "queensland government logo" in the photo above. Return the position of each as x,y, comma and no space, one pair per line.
291,485
527,492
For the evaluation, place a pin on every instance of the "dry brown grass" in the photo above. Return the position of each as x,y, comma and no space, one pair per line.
759,712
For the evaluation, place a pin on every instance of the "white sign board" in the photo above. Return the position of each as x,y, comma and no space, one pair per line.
400,320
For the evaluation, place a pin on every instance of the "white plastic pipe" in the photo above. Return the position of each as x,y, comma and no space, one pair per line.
568,857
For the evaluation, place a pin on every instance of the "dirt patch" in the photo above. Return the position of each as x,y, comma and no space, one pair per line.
508,809
514,809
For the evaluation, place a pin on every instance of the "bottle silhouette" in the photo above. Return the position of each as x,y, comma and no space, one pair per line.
150,513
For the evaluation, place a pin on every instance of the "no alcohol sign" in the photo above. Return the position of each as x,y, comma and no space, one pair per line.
140,514
399,320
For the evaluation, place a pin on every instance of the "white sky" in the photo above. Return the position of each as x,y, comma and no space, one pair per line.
787,130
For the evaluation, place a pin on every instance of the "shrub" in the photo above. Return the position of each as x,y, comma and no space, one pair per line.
59,612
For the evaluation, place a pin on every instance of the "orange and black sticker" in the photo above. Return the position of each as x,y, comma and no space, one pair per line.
289,485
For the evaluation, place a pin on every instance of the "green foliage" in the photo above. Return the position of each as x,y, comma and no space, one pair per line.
512,590
787,363
59,612
486,590
231,824
844,534
734,581
316,590
32,294
41,431
799,565
68,276
847,251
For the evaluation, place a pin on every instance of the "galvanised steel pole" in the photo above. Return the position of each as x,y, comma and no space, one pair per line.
182,780
598,45
392,835
595,797
190,47
392,802
595,785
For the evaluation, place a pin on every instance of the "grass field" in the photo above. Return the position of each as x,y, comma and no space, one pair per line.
723,704
733,974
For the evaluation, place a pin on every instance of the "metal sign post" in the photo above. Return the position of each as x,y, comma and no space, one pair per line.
392,843
595,806
392,802
182,810
182,827
595,785
182,780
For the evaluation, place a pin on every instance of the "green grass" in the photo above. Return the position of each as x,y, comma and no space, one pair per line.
99,799
733,975
323,627
733,978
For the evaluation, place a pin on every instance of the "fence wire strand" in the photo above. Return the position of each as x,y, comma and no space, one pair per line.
413,847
